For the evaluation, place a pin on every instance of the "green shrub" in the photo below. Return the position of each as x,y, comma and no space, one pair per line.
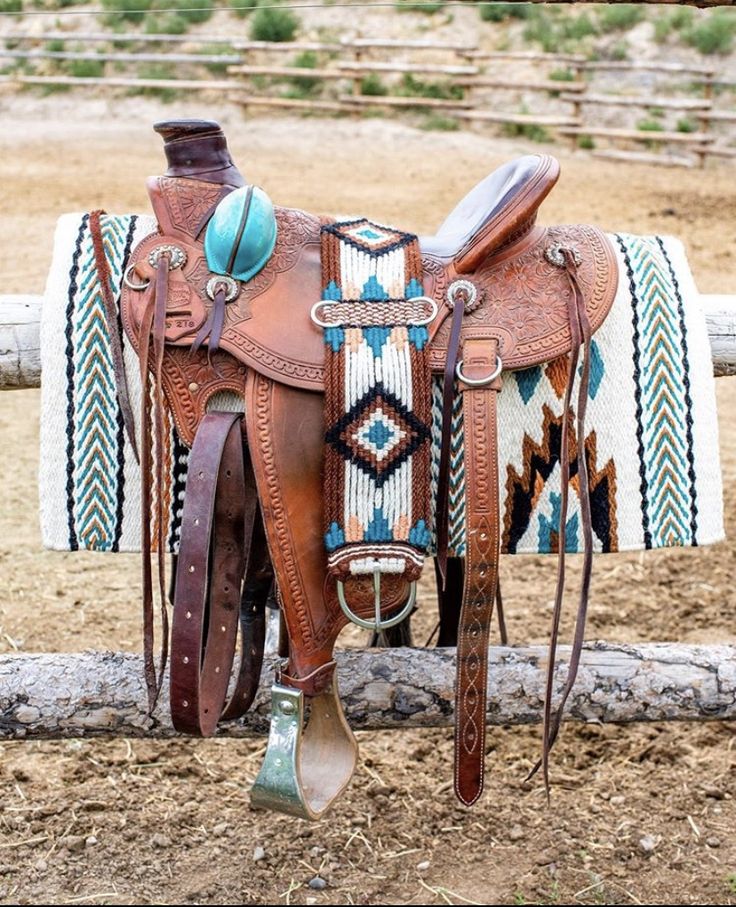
575,28
243,8
557,33
165,24
438,123
157,71
372,85
11,6
55,46
685,125
415,88
620,16
498,12
619,51
530,131
85,69
540,29
125,10
675,21
273,24
586,142
649,126
195,11
306,85
216,50
562,75
713,34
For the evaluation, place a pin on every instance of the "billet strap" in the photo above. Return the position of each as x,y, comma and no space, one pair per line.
306,767
257,588
218,523
377,400
480,358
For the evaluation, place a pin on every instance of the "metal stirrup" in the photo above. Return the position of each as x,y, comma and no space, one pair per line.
377,625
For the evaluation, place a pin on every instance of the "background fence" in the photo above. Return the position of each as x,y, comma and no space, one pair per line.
679,113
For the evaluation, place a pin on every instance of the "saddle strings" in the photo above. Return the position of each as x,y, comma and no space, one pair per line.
443,479
581,333
153,326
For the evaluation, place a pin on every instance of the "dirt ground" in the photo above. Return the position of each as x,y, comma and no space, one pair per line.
639,814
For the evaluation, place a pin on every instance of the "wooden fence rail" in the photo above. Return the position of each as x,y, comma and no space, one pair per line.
103,693
567,80
20,319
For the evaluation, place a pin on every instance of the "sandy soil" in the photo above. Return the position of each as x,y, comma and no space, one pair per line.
640,814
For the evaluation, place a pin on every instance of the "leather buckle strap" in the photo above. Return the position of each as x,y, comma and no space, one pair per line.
481,563
209,574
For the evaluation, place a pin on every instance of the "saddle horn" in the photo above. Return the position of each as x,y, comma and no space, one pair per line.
198,149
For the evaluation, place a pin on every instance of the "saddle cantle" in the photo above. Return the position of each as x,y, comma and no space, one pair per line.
503,293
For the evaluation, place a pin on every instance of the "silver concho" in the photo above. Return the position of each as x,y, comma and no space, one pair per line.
177,256
232,287
466,288
554,255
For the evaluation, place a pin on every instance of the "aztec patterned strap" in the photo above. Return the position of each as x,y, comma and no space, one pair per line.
377,399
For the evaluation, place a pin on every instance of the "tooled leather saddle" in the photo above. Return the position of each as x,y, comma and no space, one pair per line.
499,291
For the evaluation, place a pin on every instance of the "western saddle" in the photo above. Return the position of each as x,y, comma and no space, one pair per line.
334,360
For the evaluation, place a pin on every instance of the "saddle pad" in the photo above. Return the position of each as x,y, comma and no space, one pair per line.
651,439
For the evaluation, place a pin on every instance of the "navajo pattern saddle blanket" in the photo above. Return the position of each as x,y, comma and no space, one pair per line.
650,436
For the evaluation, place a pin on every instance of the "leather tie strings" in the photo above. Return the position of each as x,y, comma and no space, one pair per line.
581,334
443,479
153,327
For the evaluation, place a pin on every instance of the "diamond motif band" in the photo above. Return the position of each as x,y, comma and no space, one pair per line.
377,401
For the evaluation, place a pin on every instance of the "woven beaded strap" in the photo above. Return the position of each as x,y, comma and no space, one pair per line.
377,399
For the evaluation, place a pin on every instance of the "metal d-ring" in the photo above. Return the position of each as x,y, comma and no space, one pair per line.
129,283
377,625
479,382
318,321
432,308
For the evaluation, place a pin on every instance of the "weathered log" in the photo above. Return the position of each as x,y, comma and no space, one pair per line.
20,347
103,694
720,316
20,365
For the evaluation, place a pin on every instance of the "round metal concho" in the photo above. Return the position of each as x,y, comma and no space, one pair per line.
177,256
479,382
466,288
232,287
554,255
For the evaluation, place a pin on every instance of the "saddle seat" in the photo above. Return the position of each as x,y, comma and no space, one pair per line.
493,212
